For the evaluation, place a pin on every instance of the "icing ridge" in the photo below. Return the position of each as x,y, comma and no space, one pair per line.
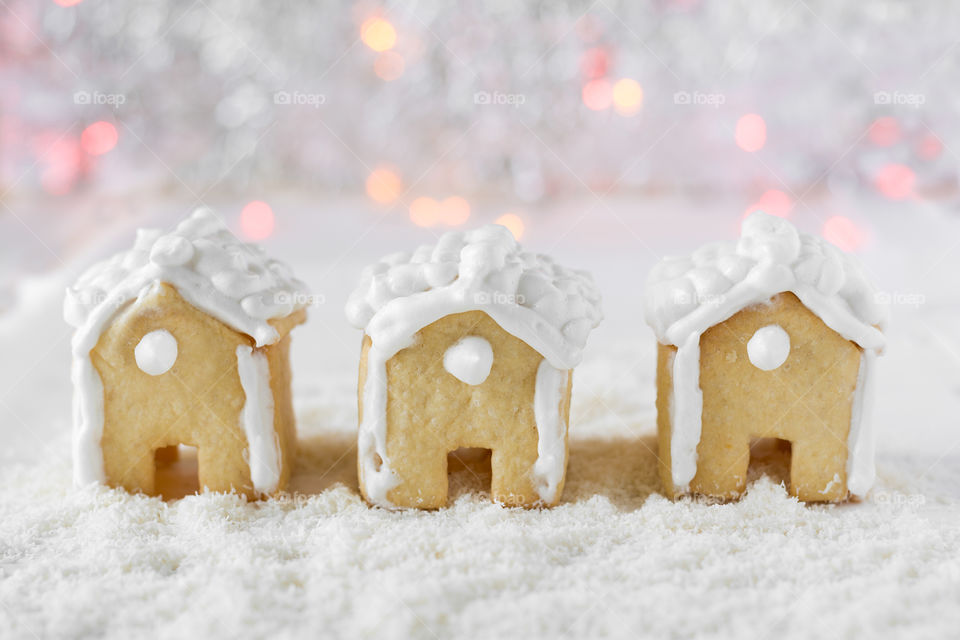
687,295
549,307
233,281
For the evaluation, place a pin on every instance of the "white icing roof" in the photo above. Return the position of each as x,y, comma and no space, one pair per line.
230,280
547,306
686,296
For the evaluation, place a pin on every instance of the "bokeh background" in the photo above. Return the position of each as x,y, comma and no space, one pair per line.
608,133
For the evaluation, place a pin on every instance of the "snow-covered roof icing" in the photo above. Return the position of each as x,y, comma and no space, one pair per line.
549,307
686,296
230,280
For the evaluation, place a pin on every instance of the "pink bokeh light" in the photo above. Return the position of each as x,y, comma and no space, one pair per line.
844,233
99,138
597,95
774,202
594,63
884,132
895,181
929,147
751,132
257,221
61,160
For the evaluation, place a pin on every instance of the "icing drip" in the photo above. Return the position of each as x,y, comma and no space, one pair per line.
469,360
551,430
257,418
87,423
375,474
549,307
156,352
687,296
769,347
687,409
861,469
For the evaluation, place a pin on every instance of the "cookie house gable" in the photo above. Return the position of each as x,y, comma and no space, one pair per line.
468,343
184,339
773,336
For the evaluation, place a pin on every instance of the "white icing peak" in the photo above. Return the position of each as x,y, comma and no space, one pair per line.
232,281
156,352
686,296
469,360
769,347
551,308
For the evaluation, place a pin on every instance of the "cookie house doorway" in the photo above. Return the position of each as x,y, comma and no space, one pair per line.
469,471
177,472
770,457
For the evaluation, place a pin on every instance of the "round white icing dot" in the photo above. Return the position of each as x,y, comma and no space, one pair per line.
469,360
769,347
156,352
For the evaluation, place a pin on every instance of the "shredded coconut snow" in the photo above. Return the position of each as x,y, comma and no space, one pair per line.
614,559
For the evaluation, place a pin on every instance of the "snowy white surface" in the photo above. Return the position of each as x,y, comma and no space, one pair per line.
613,559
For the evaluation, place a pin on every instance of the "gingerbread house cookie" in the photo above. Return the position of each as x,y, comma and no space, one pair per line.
468,343
775,336
184,339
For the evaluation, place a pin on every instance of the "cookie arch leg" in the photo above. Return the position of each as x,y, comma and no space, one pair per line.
129,463
513,483
223,469
722,467
817,469
422,471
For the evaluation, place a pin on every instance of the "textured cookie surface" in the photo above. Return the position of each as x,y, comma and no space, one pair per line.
197,402
431,413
